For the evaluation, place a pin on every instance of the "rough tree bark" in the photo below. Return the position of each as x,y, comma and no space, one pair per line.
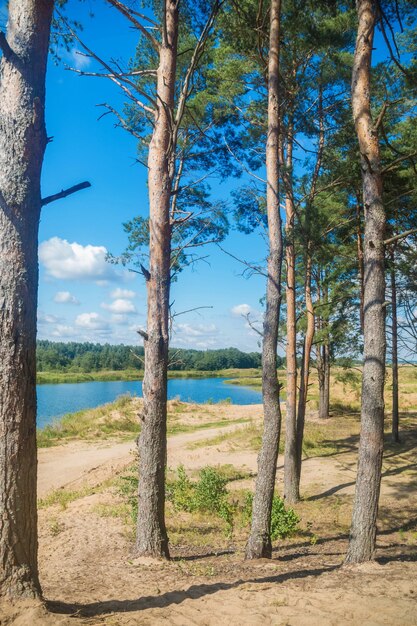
259,543
359,246
294,494
290,462
22,145
365,509
152,538
294,436
394,351
323,359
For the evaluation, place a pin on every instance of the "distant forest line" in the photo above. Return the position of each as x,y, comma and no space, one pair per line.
93,357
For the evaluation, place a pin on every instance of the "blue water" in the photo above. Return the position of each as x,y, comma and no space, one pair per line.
54,401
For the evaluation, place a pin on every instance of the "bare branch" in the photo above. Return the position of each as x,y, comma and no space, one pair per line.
197,308
128,14
143,334
65,192
254,268
387,242
137,356
120,82
252,324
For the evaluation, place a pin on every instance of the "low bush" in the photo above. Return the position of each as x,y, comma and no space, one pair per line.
284,520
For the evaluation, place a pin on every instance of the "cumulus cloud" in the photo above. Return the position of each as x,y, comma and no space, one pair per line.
241,309
47,318
65,297
120,306
62,330
73,261
122,293
199,330
91,321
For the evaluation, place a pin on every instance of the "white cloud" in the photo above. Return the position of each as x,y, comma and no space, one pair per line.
91,321
120,306
122,293
47,318
120,320
72,261
200,330
241,309
65,297
61,330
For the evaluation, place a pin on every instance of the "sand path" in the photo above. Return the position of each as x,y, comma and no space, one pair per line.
70,464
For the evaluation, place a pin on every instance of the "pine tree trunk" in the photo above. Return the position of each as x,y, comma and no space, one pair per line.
290,461
152,538
394,353
259,543
22,145
365,508
324,400
305,368
359,246
323,363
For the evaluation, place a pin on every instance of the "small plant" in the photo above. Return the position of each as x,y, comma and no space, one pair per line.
128,487
207,495
284,521
181,492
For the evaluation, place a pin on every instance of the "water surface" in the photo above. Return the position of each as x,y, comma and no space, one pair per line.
54,401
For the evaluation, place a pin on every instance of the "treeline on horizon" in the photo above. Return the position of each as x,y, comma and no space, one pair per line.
89,357
92,357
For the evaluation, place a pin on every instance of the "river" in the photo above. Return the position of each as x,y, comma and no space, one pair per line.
54,401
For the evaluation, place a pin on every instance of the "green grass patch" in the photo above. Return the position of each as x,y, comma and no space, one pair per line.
117,418
63,497
58,377
247,438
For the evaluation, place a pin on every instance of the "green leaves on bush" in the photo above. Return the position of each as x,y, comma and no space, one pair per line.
284,521
207,495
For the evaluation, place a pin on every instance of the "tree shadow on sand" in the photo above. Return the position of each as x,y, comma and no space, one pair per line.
164,600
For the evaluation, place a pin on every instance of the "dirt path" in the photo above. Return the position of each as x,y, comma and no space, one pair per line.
77,462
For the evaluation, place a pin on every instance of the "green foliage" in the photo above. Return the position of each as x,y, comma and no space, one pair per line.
207,495
84,358
284,520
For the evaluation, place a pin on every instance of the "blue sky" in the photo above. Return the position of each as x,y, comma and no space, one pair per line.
81,297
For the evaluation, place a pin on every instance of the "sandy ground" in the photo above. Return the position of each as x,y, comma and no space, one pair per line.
89,575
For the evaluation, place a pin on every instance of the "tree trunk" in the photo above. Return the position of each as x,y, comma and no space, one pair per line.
305,372
394,352
22,145
365,508
359,246
324,401
152,538
259,543
323,362
290,461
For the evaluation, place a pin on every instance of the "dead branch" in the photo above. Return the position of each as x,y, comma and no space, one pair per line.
387,242
65,192
197,308
252,324
124,10
143,334
254,268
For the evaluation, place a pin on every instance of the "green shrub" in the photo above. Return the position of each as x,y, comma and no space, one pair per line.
207,495
284,521
181,491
